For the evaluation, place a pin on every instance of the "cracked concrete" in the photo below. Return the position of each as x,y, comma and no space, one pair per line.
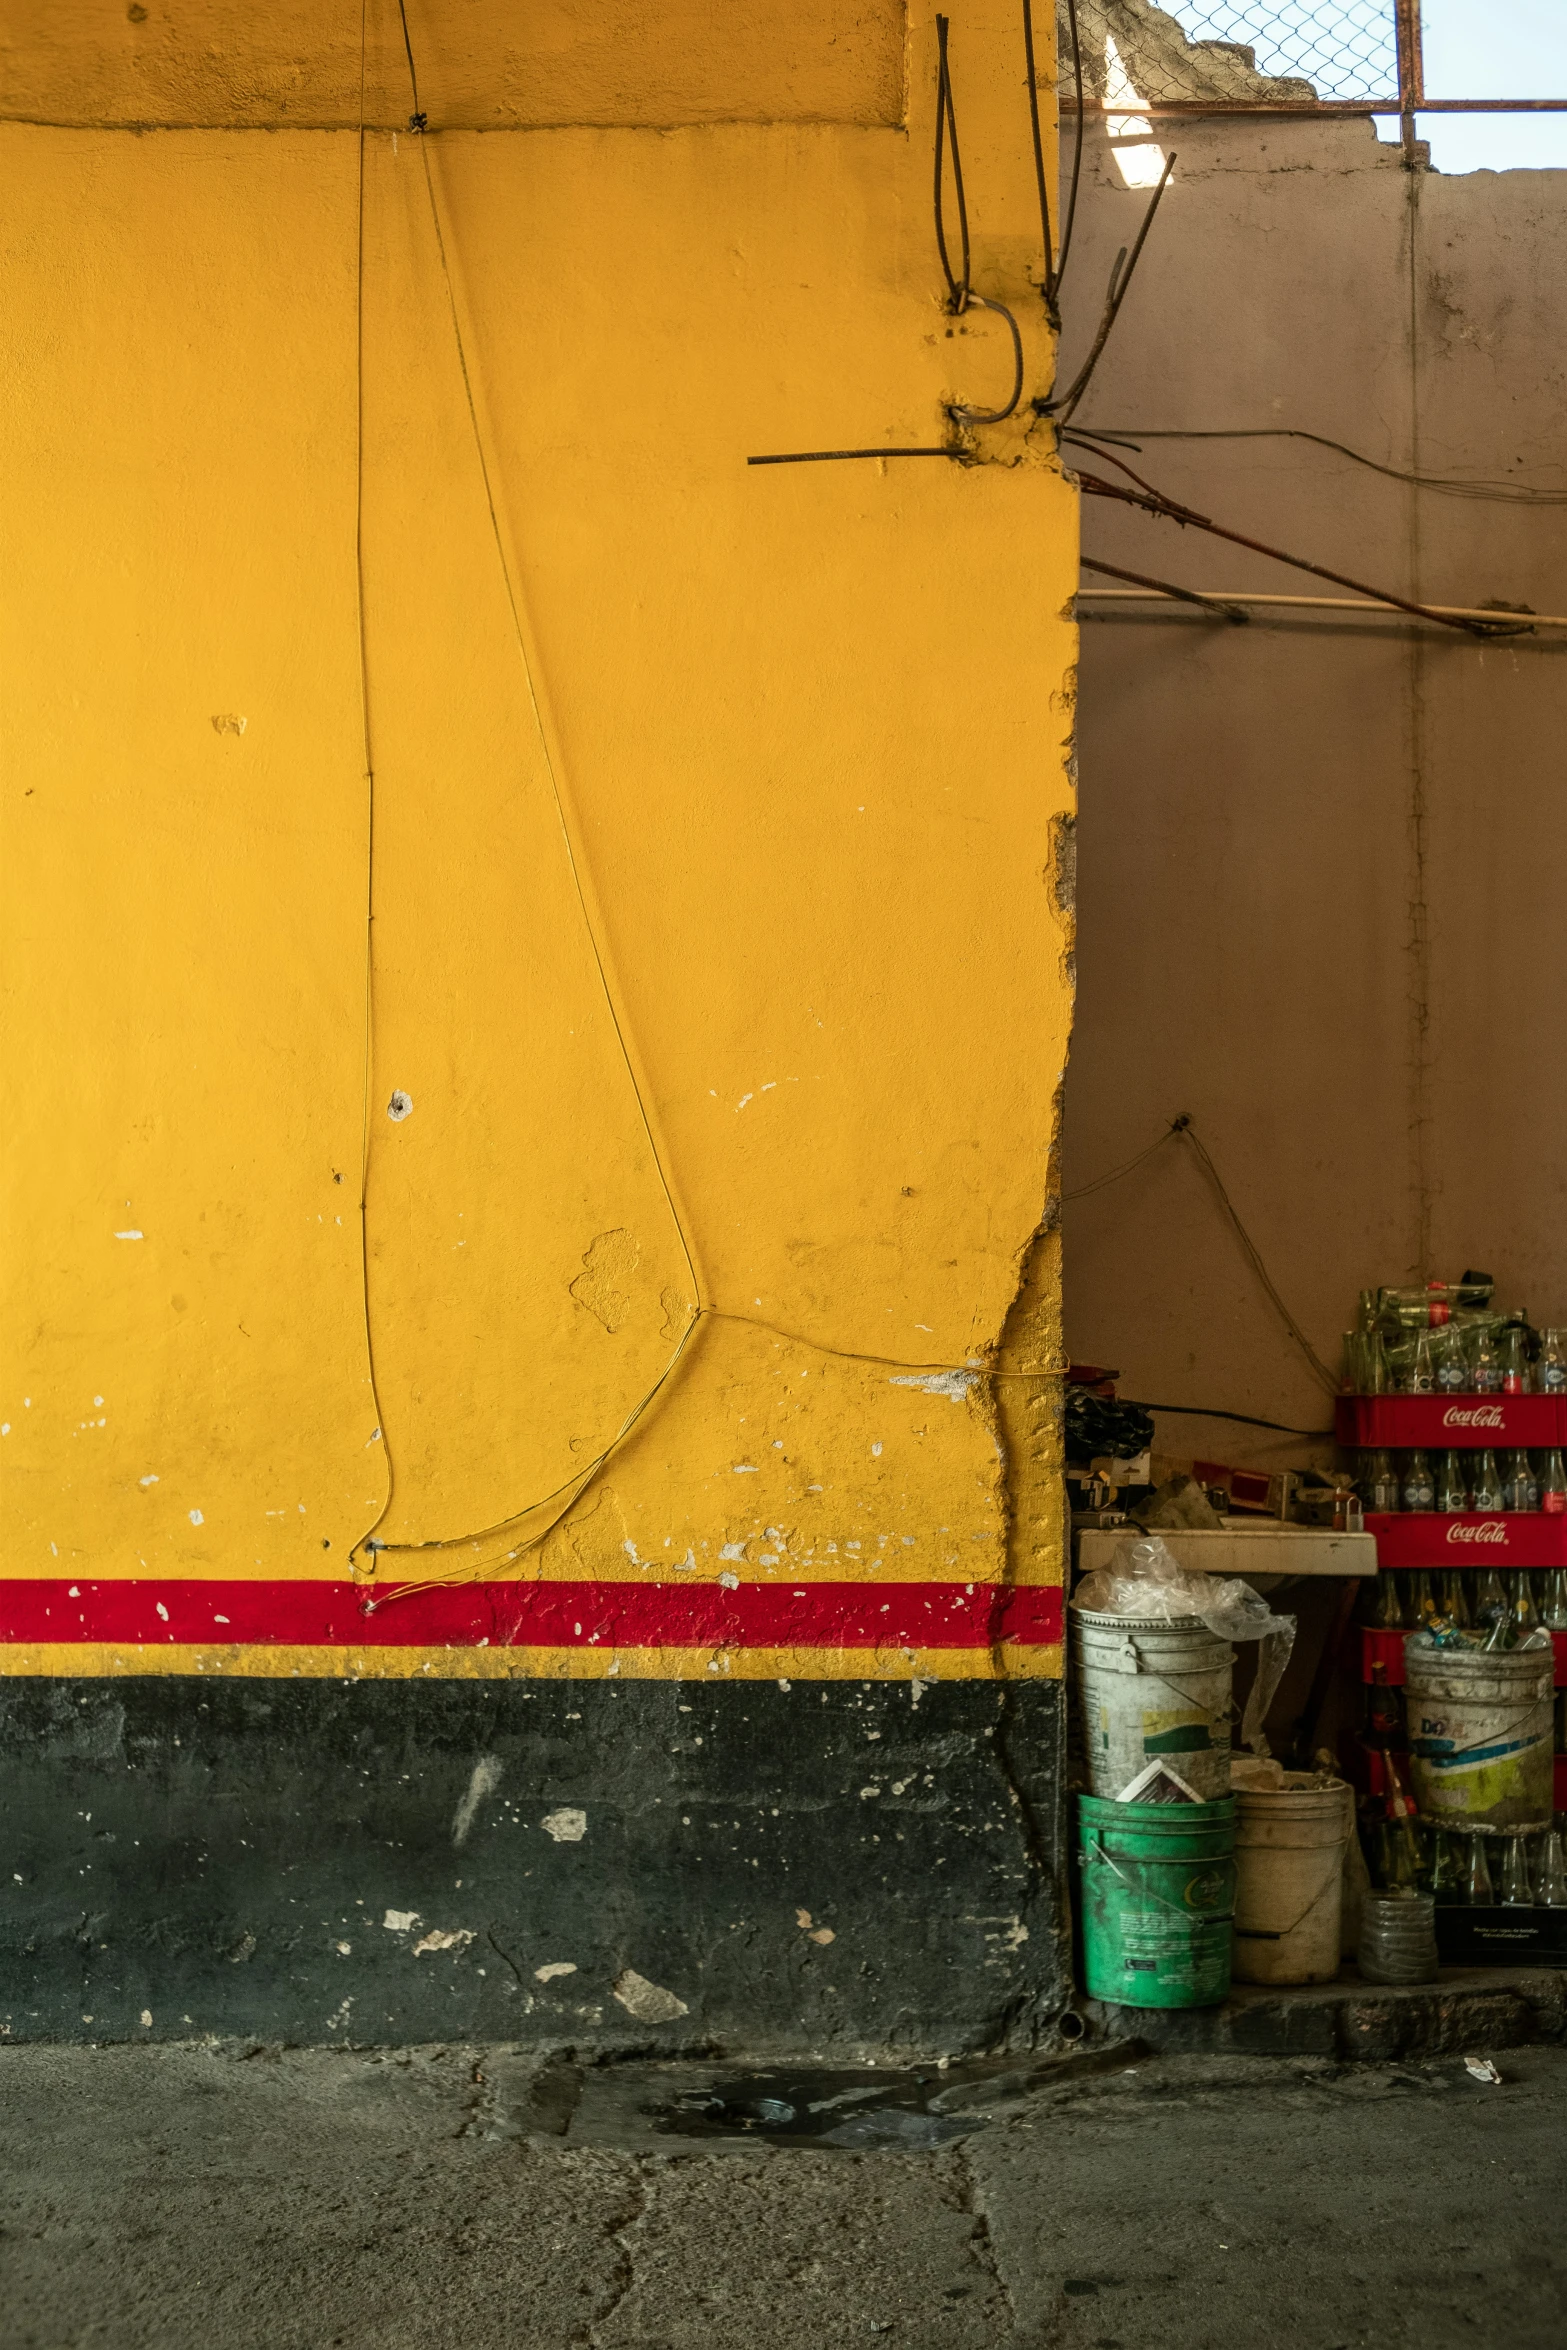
162,2198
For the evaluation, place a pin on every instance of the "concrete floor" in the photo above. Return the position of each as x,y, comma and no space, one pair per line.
165,2198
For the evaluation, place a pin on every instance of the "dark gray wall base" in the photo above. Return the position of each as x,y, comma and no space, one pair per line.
221,1856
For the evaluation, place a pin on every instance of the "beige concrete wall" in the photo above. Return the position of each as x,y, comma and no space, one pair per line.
1320,864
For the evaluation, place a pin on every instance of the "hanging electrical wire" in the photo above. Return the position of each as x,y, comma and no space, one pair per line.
947,136
1500,493
1062,406
1069,211
961,296
1154,501
1164,587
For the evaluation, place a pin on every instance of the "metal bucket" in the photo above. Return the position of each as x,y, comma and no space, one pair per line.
1289,1879
1158,1896
1149,1690
1480,1735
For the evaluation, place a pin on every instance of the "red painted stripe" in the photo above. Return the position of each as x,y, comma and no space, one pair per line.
542,1615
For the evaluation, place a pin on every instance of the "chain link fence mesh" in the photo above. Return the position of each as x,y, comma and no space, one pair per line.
1262,51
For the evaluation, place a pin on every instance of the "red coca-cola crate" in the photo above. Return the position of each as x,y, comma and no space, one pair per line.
1430,1538
1399,1423
1387,1649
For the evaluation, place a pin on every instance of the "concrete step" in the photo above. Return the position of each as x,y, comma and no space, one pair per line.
1464,2009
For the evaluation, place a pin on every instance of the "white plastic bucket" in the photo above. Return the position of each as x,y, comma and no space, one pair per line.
1152,1690
1289,1879
1480,1735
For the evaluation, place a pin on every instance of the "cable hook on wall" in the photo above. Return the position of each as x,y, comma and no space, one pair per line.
960,292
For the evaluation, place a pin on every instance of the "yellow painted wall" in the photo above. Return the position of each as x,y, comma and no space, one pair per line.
803,728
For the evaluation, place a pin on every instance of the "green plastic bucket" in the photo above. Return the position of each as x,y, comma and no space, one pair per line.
1158,1883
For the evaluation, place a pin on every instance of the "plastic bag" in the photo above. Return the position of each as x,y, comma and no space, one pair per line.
1143,1579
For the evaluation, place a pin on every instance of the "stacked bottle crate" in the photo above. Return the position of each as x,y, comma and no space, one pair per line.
1458,1436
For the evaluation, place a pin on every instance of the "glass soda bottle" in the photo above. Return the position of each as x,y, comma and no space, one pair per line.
1519,1490
1550,1372
1419,1486
1550,1890
1515,1363
1385,1611
1477,1893
1452,1484
1447,1876
1405,1860
1422,1599
1553,1483
1452,1371
1454,1597
1485,1364
1499,1634
1422,1366
1490,1600
1517,1892
1381,1483
1384,1716
1487,1483
1520,1598
1553,1611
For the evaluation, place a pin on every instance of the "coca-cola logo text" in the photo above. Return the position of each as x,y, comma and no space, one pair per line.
1490,1530
1475,1415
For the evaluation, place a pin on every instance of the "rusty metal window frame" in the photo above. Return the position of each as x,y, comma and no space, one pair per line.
1409,100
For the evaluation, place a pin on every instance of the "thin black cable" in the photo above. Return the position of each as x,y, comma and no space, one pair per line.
1069,214
367,752
947,126
1183,1126
1254,1258
964,415
1099,1183
1499,493
417,121
1119,287
1204,1411
1155,501
960,293
1214,606
840,456
1039,158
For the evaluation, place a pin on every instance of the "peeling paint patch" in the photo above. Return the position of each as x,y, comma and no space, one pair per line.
400,1106
400,1921
438,1939
557,1966
229,722
604,1284
486,1778
567,1826
959,1385
648,2002
130,1236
